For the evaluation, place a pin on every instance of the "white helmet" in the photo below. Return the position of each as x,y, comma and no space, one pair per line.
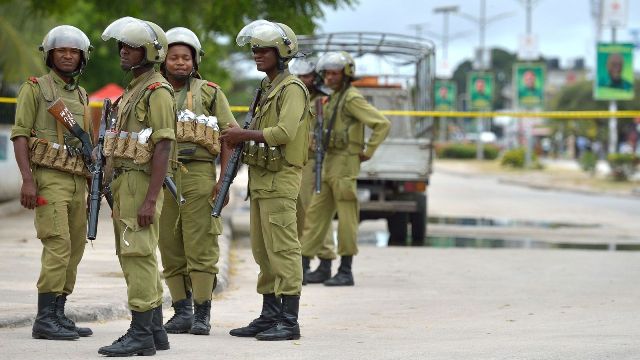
66,36
182,35
139,33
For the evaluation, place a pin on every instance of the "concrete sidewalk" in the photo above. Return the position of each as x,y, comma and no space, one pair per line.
100,293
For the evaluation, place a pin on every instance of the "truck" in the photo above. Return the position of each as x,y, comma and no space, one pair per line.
393,184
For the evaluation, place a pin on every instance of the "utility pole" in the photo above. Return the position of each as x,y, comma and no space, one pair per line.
528,126
445,11
482,21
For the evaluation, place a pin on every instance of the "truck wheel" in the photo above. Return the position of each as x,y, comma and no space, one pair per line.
397,225
419,221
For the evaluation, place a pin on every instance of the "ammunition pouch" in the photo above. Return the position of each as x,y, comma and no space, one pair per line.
265,157
125,145
199,133
56,156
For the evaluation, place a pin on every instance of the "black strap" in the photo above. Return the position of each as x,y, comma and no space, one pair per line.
333,120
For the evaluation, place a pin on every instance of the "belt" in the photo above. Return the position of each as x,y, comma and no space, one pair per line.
187,161
119,171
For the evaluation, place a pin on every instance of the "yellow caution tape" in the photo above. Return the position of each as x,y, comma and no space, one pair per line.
570,115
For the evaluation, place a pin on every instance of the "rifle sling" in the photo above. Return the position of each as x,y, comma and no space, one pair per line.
325,144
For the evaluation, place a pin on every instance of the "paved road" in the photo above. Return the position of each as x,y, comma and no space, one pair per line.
416,303
483,196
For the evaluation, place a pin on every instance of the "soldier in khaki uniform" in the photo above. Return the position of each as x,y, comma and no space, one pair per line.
346,115
61,222
188,233
305,70
276,151
140,164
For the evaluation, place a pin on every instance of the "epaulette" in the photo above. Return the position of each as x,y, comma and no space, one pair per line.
325,100
213,85
33,79
154,86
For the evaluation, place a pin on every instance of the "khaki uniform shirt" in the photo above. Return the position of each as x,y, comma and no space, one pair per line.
207,99
31,110
353,114
141,107
284,117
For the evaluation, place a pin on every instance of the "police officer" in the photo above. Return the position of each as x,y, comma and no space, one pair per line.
189,255
277,141
305,70
61,221
347,113
147,109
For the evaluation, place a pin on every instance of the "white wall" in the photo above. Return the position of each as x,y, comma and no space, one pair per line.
10,180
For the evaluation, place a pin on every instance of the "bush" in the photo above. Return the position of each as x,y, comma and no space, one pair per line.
588,161
516,157
623,166
465,151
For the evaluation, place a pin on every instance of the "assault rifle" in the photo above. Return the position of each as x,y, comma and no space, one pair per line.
62,114
319,145
97,176
234,161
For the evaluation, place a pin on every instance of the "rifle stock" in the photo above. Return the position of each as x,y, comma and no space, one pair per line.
58,109
319,146
97,176
234,161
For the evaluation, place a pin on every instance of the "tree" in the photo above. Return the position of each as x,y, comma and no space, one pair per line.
19,39
579,97
215,22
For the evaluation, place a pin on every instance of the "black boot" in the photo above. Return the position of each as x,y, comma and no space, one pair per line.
321,274
201,319
65,321
47,324
160,338
182,318
137,341
344,277
268,317
306,262
287,327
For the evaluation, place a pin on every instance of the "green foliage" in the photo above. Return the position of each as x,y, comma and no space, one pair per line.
588,161
215,22
579,97
19,40
516,158
623,166
465,151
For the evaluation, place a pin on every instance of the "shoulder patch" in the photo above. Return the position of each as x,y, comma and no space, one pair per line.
154,86
213,85
33,79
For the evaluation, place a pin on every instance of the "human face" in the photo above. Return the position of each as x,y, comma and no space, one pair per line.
307,79
130,56
66,59
266,59
480,86
614,66
334,79
179,61
529,79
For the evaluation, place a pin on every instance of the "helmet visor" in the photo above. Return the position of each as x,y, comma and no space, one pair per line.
332,61
131,31
66,36
300,66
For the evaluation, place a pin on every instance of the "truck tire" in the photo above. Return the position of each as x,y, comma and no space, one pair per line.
397,224
419,221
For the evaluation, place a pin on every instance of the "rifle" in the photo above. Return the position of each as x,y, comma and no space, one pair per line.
62,114
97,176
319,146
234,161
173,189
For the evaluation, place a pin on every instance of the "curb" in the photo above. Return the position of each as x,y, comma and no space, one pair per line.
120,310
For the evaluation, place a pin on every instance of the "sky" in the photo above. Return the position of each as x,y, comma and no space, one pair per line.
564,28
